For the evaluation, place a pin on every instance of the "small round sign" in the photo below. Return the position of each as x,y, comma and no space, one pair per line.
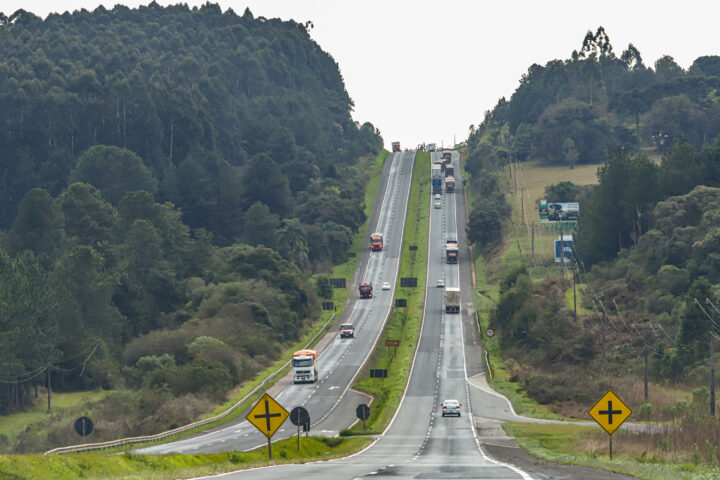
362,411
299,416
83,426
490,332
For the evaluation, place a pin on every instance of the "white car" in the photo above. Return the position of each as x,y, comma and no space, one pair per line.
451,407
386,285
440,283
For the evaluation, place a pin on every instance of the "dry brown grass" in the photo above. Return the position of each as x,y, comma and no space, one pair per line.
694,441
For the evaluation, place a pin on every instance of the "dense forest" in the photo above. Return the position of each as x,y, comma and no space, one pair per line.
647,239
171,177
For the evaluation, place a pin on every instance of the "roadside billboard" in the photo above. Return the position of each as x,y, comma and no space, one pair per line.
559,211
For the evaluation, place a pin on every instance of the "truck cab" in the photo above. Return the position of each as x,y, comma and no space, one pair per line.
347,330
395,146
304,363
376,242
365,290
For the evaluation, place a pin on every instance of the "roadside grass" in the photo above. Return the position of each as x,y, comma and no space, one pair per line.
67,405
579,293
93,466
633,455
403,324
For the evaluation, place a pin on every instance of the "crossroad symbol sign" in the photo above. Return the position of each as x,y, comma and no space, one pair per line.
267,415
610,412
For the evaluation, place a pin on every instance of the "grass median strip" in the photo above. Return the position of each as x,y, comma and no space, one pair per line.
91,466
404,323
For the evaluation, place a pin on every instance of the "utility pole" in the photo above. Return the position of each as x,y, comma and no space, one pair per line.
574,272
604,359
712,360
532,246
562,249
48,386
646,364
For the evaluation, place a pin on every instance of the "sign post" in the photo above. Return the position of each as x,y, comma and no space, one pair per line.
393,343
363,412
267,415
299,416
610,412
84,426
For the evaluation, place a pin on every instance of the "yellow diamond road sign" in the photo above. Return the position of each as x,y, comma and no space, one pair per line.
610,412
267,415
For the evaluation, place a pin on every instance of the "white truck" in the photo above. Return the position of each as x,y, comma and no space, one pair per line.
304,363
452,300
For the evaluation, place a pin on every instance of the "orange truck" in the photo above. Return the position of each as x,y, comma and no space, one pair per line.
304,363
376,241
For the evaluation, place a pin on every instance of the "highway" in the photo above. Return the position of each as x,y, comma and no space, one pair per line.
329,401
420,443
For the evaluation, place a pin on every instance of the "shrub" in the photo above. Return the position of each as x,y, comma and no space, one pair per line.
646,411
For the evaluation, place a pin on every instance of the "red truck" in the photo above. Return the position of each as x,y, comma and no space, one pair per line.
365,290
376,242
396,146
347,330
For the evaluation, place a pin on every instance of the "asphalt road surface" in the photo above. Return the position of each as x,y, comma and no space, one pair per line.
420,443
329,401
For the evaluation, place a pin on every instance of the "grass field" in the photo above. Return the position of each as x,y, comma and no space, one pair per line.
589,447
403,324
531,182
93,466
64,405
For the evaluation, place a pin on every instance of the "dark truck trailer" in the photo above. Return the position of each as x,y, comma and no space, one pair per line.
436,178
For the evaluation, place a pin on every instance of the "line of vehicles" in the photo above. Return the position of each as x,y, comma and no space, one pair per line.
305,362
439,168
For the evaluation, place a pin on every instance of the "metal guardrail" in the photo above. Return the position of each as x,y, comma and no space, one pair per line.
184,428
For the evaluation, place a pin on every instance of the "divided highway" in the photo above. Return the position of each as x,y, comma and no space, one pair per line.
329,401
420,443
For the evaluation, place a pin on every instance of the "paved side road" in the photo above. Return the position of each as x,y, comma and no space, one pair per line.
540,469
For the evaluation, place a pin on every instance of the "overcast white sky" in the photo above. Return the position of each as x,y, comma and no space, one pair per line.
424,71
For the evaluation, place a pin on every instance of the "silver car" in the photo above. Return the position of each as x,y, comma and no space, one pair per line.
451,407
